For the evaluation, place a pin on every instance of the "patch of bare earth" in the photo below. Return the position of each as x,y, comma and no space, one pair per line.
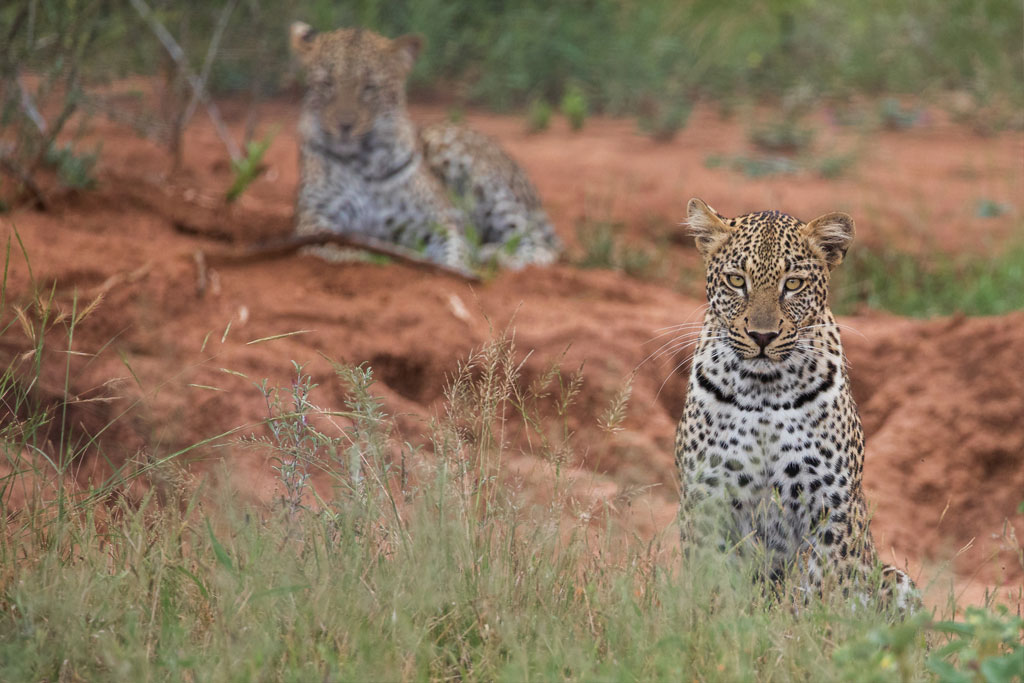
942,400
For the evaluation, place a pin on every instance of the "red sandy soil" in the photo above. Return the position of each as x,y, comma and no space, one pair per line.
942,400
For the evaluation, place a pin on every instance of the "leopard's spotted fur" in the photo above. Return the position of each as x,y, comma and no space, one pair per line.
366,170
770,448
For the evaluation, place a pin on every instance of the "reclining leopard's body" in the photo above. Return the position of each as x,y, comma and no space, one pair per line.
366,170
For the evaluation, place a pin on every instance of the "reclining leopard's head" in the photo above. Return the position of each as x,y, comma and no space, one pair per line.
356,86
768,275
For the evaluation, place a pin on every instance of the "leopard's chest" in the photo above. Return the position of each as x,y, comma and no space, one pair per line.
401,204
767,452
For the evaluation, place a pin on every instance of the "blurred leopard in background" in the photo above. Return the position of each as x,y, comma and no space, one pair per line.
447,192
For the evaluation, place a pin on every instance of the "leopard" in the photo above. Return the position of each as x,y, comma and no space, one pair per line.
366,170
770,446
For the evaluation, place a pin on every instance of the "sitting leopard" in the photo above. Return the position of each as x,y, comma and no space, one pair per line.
447,192
770,449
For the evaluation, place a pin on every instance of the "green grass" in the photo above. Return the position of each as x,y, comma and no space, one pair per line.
538,116
401,563
574,107
417,568
604,246
918,286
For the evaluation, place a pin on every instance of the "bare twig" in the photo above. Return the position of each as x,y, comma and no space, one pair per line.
16,25
202,279
291,244
211,54
178,55
29,107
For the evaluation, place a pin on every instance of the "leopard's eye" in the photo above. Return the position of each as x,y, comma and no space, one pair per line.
735,280
793,283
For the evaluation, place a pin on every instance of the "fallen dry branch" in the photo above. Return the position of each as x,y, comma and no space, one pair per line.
235,225
291,244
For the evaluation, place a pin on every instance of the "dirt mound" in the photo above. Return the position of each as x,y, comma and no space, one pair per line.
943,407
942,401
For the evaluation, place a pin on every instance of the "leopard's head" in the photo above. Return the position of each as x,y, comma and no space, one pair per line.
768,275
356,85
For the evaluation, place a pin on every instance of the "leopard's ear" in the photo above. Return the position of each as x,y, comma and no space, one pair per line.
300,37
707,227
830,236
408,48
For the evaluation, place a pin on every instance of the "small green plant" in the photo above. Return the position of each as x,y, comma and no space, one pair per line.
598,240
250,167
603,247
456,114
893,115
990,208
538,116
574,107
74,168
835,166
987,645
295,442
885,652
636,261
662,119
783,135
754,166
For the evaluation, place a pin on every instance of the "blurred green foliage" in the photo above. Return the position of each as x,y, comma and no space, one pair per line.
74,167
574,107
538,116
604,245
620,53
920,286
250,167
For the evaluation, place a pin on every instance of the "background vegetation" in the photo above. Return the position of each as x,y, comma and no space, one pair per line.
620,53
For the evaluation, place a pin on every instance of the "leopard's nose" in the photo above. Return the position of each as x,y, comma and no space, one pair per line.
344,129
763,339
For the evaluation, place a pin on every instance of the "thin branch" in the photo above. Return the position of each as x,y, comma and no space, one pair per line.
211,54
29,107
198,87
16,25
291,244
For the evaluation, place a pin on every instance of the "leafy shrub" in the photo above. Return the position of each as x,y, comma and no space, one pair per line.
754,166
603,247
895,116
74,169
986,642
574,107
250,167
989,208
785,134
661,120
538,116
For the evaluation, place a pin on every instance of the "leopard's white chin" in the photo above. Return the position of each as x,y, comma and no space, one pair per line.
762,362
